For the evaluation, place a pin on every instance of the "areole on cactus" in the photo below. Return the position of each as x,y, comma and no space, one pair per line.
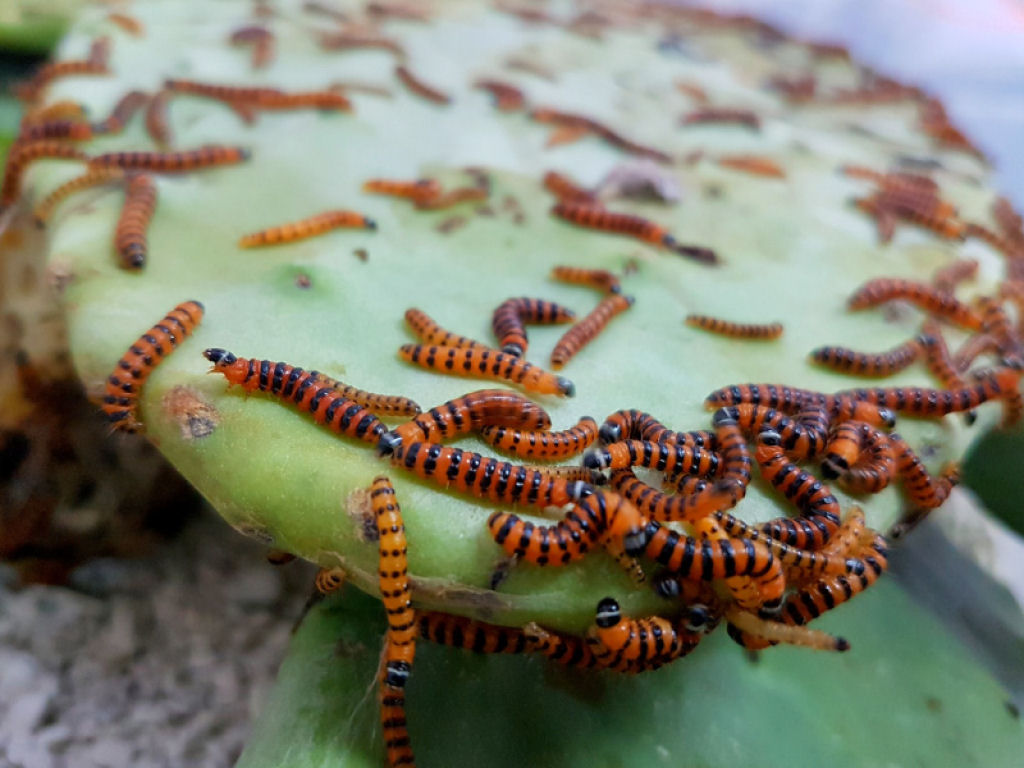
766,197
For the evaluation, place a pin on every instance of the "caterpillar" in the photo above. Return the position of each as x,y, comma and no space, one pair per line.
68,130
393,582
96,64
598,279
130,234
417,86
803,437
844,448
883,289
157,125
840,406
924,491
871,364
592,217
742,625
876,466
123,386
597,516
692,90
453,197
20,156
707,559
122,112
384,405
487,363
567,650
755,164
744,591
507,98
173,162
347,41
932,403
471,635
260,98
568,191
635,645
421,190
306,390
579,125
638,425
430,332
722,115
487,477
762,331
469,413
64,109
538,444
973,347
583,332
661,457
941,365
92,178
804,490
510,317
129,24
948,277
329,580
262,41
305,228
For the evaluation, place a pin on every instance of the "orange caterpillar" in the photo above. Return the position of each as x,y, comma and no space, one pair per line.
925,492
568,191
130,234
507,98
471,635
541,444
308,227
722,115
262,41
326,581
91,178
419,191
348,41
941,365
385,405
599,516
58,110
453,197
805,491
803,437
122,112
762,331
209,156
470,413
593,217
487,477
755,164
487,363
123,386
157,125
598,279
68,130
638,425
308,391
635,645
932,403
871,364
671,458
509,319
430,332
400,640
583,332
129,24
883,289
95,64
840,406
420,88
261,98
575,126
876,466
20,156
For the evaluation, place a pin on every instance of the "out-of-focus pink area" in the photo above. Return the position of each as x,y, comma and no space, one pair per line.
968,52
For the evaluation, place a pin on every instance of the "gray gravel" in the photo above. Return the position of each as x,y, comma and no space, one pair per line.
154,662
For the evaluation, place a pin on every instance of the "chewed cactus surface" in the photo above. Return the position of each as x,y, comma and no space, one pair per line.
767,221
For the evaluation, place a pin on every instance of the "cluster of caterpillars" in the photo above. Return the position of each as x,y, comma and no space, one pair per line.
767,581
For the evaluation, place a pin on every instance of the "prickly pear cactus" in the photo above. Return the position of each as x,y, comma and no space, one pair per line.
791,249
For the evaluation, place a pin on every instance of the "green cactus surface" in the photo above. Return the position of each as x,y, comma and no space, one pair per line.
792,249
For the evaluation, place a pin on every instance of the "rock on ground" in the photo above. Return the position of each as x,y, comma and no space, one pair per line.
155,662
